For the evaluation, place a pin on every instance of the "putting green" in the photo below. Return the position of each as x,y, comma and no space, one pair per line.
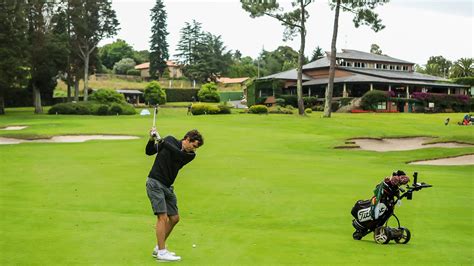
263,190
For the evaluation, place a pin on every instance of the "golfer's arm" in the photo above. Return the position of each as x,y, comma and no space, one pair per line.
172,148
151,148
175,150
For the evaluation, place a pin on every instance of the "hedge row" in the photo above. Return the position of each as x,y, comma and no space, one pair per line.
91,108
444,103
209,109
181,95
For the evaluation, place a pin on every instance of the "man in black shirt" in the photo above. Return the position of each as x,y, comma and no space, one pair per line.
172,155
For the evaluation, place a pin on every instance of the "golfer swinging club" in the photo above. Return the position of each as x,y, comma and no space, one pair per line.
172,155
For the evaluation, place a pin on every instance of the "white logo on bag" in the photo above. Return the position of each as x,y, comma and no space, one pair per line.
364,214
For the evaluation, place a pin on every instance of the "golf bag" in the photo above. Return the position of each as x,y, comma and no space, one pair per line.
372,215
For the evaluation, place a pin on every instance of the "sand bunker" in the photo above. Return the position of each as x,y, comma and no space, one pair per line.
66,139
14,128
460,160
403,144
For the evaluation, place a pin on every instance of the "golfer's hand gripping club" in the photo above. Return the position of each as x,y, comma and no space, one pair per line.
154,134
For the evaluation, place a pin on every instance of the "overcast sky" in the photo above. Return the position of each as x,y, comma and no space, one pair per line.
415,29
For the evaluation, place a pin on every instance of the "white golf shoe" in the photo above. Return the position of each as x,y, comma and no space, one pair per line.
154,254
167,256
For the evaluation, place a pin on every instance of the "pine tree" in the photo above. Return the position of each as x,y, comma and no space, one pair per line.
158,44
191,37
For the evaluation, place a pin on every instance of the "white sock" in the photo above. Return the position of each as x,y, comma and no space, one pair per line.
162,251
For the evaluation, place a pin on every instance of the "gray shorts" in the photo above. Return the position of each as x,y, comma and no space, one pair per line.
162,198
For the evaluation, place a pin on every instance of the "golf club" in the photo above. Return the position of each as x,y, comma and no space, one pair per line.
155,112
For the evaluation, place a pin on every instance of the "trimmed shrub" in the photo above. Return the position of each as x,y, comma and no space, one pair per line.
208,93
61,108
280,110
115,109
290,100
209,109
107,96
346,101
443,102
371,98
102,110
154,94
198,109
213,110
128,109
280,101
308,110
310,101
224,109
258,109
91,108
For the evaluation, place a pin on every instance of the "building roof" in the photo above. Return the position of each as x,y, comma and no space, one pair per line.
321,62
270,100
129,91
354,54
146,65
291,74
226,80
392,74
357,77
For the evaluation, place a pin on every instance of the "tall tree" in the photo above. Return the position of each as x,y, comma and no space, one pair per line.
244,67
191,36
438,66
375,49
91,22
110,54
158,44
210,59
13,55
294,22
317,53
464,67
47,51
363,15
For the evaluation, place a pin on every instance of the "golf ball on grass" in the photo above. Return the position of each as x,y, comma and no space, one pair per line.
194,245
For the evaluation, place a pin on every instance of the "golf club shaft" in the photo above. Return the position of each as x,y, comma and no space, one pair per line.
154,117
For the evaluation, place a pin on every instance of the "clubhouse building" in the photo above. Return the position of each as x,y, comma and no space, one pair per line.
359,72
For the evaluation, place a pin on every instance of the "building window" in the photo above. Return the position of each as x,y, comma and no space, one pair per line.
384,66
363,65
398,67
381,105
405,68
378,66
392,67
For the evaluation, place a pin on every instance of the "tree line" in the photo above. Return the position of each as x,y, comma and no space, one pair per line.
43,40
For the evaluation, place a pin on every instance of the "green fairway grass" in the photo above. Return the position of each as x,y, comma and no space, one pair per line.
263,190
